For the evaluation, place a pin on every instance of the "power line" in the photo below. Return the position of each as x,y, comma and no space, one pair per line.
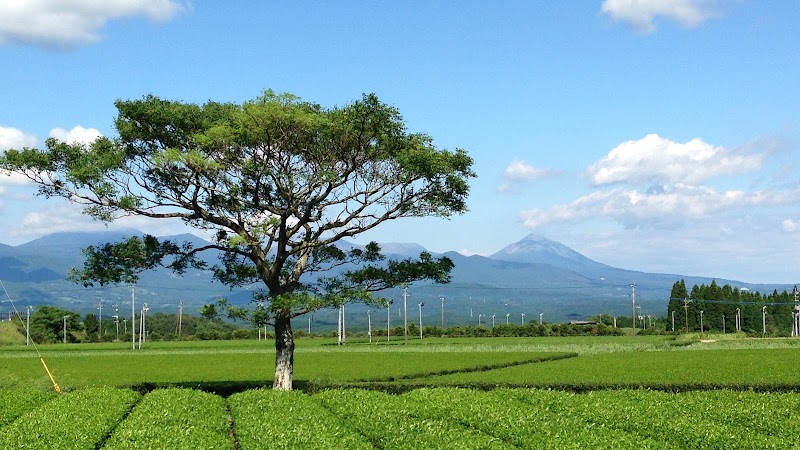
35,347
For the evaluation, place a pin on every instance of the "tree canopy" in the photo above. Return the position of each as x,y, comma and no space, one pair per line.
277,181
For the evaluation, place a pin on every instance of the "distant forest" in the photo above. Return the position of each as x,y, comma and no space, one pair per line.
729,309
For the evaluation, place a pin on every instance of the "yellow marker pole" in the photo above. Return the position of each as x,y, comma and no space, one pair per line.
53,380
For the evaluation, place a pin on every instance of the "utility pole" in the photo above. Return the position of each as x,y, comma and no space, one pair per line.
100,319
405,315
796,315
28,326
686,312
738,319
133,317
388,320
633,305
420,320
143,330
342,336
442,299
180,317
116,318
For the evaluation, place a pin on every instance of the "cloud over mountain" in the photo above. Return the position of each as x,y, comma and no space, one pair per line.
658,159
657,183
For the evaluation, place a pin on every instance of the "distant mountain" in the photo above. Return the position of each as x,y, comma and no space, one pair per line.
401,249
13,269
534,275
538,249
61,251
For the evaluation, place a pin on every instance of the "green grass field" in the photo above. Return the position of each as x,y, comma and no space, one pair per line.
595,363
587,392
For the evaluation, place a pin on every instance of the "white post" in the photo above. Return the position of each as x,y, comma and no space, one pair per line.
442,299
633,306
133,317
369,326
420,319
540,318
28,326
116,318
764,320
701,320
180,318
100,319
388,320
493,316
738,320
673,320
405,315
507,315
142,329
65,329
340,329
523,319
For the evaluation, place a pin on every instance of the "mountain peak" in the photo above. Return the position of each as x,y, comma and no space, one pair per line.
535,248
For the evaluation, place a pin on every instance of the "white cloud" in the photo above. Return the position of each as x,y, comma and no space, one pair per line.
790,226
64,216
520,170
641,14
654,159
665,208
14,138
67,23
518,173
17,139
77,134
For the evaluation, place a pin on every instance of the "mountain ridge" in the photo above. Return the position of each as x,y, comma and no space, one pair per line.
534,273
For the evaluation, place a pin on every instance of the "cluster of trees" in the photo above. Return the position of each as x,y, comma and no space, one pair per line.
723,308
48,324
530,329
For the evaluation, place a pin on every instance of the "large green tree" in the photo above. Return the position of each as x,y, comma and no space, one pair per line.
278,181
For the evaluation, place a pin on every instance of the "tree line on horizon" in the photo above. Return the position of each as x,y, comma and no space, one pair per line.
720,306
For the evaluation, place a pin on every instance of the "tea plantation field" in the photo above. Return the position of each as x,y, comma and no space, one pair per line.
579,392
429,418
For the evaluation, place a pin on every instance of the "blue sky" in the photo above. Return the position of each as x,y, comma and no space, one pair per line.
661,135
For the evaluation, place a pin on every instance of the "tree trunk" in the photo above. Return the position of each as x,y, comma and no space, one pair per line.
284,353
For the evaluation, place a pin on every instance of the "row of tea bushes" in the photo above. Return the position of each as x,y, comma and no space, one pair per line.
177,419
430,418
77,420
14,402
265,419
